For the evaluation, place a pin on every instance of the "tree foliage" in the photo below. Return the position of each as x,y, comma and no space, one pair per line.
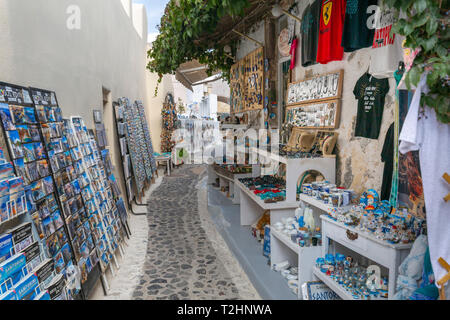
186,21
425,27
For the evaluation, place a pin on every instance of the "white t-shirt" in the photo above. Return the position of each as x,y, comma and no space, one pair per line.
423,132
386,51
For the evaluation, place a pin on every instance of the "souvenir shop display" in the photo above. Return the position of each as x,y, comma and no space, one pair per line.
65,153
360,281
30,156
366,213
247,82
98,198
133,142
268,188
319,88
323,115
152,168
169,124
127,165
100,131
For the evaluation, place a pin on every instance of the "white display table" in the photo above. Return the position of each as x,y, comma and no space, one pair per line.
282,249
367,245
252,207
296,167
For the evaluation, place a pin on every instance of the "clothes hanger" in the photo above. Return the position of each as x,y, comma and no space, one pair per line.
444,279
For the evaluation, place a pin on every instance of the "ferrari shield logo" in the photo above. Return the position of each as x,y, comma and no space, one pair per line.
326,12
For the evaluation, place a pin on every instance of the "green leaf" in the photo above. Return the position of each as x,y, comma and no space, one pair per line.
432,26
420,5
429,44
414,75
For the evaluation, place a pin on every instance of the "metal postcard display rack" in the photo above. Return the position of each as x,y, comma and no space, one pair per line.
69,199
136,149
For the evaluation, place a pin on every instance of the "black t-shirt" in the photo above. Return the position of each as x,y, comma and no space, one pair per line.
356,34
310,33
370,93
387,156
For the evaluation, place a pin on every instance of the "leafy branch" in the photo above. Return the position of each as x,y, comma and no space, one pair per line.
426,28
183,24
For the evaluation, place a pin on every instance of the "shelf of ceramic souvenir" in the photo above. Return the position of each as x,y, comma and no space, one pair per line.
296,167
333,285
388,254
252,207
282,248
318,203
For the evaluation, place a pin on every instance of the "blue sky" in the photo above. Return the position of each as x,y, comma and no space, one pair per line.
155,10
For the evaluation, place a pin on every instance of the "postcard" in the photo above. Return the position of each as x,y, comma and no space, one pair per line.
29,115
18,114
15,144
42,116
38,225
32,171
67,253
47,185
24,133
48,226
5,211
42,168
37,190
59,262
62,236
6,116
34,133
50,114
57,219
21,170
29,153
39,150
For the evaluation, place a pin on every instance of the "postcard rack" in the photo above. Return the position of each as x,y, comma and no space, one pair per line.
99,201
30,158
63,154
128,165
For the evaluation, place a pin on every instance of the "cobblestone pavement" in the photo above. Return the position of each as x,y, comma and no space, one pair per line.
186,258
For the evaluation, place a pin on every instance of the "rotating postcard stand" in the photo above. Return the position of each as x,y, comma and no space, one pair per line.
30,160
127,166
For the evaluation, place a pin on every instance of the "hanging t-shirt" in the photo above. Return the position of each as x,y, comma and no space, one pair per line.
310,33
422,131
370,93
293,53
387,156
386,51
332,17
356,33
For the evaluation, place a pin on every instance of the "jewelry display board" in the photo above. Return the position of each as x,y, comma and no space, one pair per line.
319,88
324,115
247,83
21,127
